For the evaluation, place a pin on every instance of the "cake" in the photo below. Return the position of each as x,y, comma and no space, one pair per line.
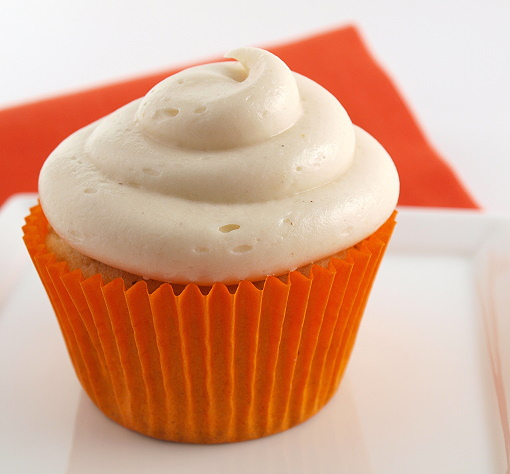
209,249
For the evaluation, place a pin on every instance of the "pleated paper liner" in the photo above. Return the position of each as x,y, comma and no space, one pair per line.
221,367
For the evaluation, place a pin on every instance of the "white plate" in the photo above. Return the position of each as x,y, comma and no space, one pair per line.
418,397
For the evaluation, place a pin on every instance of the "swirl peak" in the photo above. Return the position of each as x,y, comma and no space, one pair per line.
223,105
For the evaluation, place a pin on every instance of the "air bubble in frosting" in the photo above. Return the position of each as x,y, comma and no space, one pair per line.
151,172
228,228
242,248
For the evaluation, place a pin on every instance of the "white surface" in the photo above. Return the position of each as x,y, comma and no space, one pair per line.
450,58
418,395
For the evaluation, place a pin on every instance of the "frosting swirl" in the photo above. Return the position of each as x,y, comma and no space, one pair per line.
222,172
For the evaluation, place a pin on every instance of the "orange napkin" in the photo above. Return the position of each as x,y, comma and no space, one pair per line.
338,60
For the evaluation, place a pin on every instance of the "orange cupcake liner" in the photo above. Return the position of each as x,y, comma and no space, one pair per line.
221,367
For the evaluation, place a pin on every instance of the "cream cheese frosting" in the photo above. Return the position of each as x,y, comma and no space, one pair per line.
222,172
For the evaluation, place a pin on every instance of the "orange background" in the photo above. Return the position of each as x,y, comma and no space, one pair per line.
338,60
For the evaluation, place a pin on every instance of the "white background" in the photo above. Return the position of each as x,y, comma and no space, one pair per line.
450,59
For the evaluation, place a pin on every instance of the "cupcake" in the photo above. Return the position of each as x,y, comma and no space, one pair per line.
209,249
